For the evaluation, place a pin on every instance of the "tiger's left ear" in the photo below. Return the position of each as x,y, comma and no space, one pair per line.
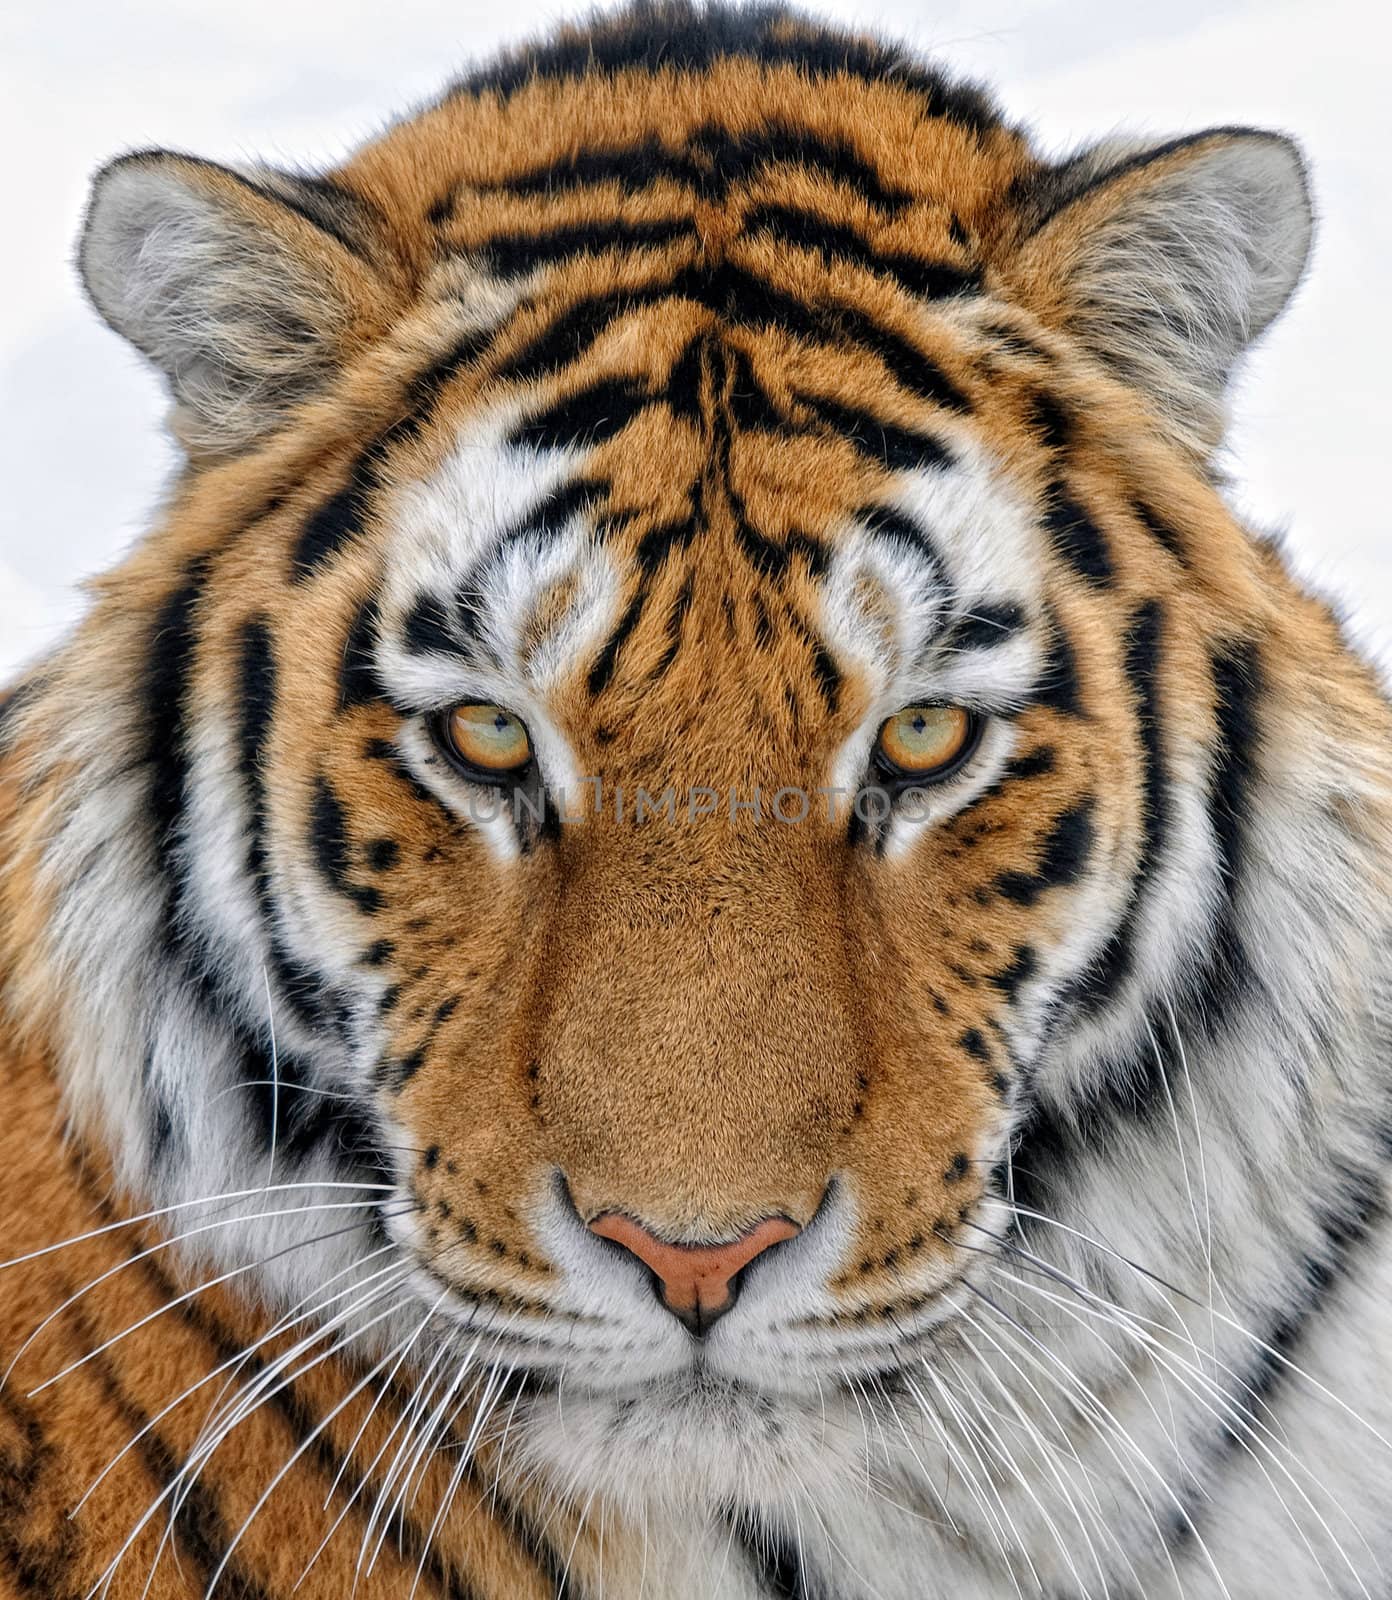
1168,263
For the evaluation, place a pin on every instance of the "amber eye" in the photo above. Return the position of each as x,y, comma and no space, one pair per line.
926,743
486,740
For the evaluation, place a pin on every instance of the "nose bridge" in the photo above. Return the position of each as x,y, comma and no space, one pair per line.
698,1049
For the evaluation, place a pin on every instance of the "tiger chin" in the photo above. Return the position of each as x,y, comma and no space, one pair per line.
698,921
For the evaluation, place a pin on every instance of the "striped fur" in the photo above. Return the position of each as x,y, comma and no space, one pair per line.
703,386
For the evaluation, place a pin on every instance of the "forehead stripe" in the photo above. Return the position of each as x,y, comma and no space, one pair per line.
711,161
512,254
742,299
929,280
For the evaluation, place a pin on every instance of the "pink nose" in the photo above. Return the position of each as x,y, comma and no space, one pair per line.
695,1281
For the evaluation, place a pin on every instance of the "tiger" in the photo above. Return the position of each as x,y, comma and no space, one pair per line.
699,921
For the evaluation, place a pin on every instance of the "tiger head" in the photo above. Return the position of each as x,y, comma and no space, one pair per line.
678,715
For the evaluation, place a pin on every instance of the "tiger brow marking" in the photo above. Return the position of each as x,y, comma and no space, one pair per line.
824,668
358,683
986,625
602,672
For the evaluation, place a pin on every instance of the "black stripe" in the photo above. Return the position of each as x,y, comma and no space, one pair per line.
898,449
40,1562
634,167
659,542
511,254
200,1534
358,683
341,518
824,668
426,629
567,336
778,1570
1347,1220
303,1423
304,990
752,408
332,851
1058,687
589,416
603,669
1076,537
1126,1091
710,162
551,515
1063,857
1021,968
257,701
681,37
675,622
1160,530
742,299
747,300
1143,661
985,625
891,524
1239,687
1032,764
809,230
346,217
734,159
1050,422
169,667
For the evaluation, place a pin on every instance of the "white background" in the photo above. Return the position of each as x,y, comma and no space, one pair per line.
301,81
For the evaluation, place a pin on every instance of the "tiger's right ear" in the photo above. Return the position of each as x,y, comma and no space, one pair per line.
247,293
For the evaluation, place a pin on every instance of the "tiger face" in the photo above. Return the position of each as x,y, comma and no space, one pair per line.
680,695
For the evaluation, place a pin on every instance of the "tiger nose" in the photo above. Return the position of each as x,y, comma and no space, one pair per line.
696,1282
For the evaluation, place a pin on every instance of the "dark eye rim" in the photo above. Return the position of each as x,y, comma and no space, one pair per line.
490,777
898,779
